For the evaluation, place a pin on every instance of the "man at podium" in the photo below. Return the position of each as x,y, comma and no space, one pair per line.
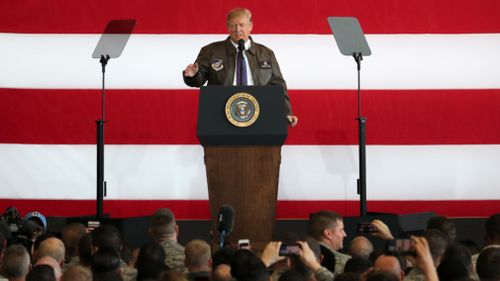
238,60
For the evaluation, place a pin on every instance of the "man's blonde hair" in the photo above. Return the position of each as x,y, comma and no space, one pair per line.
234,13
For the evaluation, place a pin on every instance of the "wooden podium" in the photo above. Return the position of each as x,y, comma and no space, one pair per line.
242,163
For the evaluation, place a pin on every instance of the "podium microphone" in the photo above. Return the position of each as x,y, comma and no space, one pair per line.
241,45
225,221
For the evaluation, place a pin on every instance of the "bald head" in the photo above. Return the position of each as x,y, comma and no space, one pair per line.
50,261
360,247
52,247
390,264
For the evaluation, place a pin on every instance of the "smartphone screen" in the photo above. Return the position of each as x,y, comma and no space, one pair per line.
366,227
400,247
289,249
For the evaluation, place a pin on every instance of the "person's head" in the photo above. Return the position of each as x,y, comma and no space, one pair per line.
347,276
71,235
42,272
221,264
445,225
107,276
381,275
493,230
438,242
239,24
292,275
458,251
77,273
42,237
451,270
223,256
246,266
85,250
296,264
390,264
39,219
16,262
106,265
470,245
360,247
170,275
150,261
106,259
163,225
488,264
327,227
198,256
50,261
358,265
107,236
52,247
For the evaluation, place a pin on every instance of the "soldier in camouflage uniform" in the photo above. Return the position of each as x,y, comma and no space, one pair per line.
165,230
328,228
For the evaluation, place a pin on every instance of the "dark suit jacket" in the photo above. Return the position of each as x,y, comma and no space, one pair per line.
216,64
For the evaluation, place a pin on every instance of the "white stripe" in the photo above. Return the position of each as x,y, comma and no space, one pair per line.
462,172
463,61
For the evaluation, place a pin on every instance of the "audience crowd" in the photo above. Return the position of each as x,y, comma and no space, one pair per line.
29,252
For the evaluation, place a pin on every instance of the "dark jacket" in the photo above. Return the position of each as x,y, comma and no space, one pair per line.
216,64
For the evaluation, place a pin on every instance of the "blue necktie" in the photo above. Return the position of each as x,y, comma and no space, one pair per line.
241,68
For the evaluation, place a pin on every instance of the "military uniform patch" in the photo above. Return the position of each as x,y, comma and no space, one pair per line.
217,64
265,64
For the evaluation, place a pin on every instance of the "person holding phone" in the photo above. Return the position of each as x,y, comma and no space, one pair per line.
302,257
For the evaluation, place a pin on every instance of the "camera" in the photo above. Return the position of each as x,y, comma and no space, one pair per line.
366,227
400,247
12,219
289,249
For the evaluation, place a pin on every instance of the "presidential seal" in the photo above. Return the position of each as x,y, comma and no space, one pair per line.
242,109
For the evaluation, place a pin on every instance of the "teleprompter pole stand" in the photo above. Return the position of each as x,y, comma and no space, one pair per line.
110,45
352,42
358,57
101,183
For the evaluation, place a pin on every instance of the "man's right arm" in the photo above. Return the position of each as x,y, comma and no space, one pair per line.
195,75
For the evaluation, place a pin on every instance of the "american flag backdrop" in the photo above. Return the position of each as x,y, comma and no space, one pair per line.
430,92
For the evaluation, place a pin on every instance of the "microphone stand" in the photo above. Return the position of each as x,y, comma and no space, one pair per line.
222,237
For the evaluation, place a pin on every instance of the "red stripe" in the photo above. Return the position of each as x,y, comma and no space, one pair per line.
326,116
199,209
279,16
